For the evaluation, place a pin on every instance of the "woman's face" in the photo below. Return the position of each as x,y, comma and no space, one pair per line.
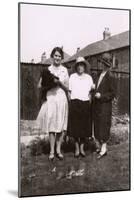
80,68
57,58
104,67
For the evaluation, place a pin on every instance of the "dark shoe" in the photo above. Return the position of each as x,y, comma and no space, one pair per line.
91,139
98,146
59,156
83,154
51,156
97,150
76,155
101,155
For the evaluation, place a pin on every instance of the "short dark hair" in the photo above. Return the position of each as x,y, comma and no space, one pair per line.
59,50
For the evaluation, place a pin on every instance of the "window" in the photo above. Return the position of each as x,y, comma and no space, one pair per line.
115,62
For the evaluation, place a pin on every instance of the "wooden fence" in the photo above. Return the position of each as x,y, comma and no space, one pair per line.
30,94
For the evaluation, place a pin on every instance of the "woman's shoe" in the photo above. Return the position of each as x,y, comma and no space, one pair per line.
83,154
103,151
97,150
60,156
51,156
98,146
102,155
76,155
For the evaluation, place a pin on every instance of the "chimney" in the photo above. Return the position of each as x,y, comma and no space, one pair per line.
32,61
78,49
106,34
43,58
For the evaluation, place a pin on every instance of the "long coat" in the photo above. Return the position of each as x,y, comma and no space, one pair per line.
102,108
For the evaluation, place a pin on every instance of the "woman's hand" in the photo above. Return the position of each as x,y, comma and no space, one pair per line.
39,83
90,98
69,95
65,88
98,95
56,81
93,87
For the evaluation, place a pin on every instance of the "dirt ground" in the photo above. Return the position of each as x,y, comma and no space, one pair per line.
39,176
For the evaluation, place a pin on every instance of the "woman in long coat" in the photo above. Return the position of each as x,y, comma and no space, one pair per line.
103,96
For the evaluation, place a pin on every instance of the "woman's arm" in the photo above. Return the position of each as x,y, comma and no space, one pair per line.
92,88
65,84
39,83
110,94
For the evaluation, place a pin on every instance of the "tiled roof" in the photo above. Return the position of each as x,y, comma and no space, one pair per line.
114,42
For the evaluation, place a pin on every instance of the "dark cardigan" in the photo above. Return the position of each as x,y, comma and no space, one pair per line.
47,83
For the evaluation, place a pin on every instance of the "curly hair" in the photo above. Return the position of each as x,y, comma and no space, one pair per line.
59,50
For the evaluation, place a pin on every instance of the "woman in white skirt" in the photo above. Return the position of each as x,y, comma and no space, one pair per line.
53,115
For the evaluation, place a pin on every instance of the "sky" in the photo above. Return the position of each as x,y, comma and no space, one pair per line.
44,27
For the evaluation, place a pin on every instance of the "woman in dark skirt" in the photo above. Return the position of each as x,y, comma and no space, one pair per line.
80,86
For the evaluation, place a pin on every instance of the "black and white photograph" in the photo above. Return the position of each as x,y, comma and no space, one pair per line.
74,99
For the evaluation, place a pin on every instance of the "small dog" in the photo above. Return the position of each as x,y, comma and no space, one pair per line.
48,82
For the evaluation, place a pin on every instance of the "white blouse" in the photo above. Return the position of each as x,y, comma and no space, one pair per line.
101,78
80,86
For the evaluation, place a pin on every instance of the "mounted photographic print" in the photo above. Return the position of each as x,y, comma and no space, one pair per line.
74,99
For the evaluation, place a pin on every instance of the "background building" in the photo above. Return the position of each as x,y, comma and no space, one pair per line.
119,48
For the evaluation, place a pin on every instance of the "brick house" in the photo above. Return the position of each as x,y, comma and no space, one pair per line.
119,48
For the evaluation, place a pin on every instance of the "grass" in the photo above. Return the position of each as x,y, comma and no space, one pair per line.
108,174
39,176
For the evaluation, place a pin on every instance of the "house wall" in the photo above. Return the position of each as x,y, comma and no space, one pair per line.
122,56
120,73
